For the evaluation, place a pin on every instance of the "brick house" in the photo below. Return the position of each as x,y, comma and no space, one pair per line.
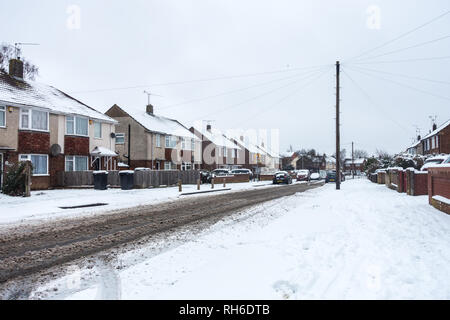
356,164
217,150
146,140
438,140
54,131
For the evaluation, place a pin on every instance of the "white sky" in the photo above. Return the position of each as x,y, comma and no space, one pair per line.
142,43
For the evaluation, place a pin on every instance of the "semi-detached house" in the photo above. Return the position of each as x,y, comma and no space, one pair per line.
145,140
54,131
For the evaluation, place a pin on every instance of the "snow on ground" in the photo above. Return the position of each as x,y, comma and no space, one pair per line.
47,204
364,242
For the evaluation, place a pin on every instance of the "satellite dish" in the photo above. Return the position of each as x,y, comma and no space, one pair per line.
55,150
113,135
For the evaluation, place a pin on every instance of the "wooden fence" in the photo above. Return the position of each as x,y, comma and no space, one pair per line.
142,179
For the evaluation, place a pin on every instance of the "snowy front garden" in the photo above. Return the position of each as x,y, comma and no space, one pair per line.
363,242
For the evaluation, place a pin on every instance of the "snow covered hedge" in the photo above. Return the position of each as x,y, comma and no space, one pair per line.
14,184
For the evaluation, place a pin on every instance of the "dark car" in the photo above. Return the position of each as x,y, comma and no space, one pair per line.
282,177
331,177
243,171
205,176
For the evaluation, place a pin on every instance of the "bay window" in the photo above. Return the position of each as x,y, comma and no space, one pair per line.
39,162
76,163
77,126
171,142
97,130
169,166
32,119
2,116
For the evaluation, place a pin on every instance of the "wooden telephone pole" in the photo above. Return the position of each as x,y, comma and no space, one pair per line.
338,131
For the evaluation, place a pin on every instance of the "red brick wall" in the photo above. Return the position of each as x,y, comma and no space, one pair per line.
40,183
34,142
233,179
444,140
401,181
76,146
439,185
420,184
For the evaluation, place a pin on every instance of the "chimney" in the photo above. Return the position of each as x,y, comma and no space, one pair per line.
434,126
242,138
419,138
16,68
208,128
150,109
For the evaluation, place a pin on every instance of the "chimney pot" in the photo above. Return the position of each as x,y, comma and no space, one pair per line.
150,109
208,128
434,126
16,68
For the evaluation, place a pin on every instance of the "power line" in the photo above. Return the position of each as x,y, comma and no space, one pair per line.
402,35
407,48
198,80
404,85
404,60
285,97
371,100
236,90
404,75
227,108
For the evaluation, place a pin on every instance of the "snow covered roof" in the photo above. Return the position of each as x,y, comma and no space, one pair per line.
103,152
355,161
270,153
440,128
331,159
218,138
33,94
414,145
161,125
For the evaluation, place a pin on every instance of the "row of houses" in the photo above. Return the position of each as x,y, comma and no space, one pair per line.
437,141
316,162
57,132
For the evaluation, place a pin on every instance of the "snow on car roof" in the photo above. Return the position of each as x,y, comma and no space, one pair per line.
160,124
33,94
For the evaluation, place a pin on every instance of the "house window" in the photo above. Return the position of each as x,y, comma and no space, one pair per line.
233,153
39,162
77,126
437,141
433,143
224,151
120,138
171,142
192,144
2,116
76,163
34,119
186,166
158,141
187,144
98,130
169,166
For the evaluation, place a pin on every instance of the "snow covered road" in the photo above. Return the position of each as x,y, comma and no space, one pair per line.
364,242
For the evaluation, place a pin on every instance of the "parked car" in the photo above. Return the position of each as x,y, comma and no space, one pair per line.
315,176
303,175
282,177
430,162
243,171
447,161
220,173
332,176
205,176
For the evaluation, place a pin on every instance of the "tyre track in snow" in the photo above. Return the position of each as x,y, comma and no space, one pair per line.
25,250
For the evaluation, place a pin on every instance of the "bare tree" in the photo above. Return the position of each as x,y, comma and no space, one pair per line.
8,52
358,153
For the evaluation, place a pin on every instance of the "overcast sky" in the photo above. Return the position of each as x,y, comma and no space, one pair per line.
142,44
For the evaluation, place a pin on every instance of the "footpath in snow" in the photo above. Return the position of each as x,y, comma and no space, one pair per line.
364,242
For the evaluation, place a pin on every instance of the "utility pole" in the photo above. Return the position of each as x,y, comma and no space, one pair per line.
338,131
353,161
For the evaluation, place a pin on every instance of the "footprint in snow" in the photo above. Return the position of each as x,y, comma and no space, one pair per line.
286,289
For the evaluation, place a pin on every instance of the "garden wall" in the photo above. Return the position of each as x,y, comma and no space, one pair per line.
439,188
